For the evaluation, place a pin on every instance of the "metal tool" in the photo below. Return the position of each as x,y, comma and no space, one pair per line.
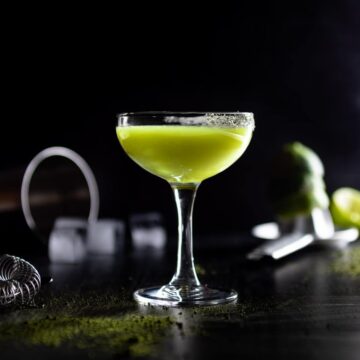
288,237
19,281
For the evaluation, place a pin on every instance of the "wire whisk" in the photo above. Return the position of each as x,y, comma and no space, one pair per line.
19,281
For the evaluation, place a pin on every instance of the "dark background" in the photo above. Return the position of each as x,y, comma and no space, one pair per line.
68,71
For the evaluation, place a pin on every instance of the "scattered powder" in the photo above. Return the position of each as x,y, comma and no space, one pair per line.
135,335
106,323
111,323
348,263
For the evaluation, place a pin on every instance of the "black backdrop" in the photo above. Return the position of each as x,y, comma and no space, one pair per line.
68,71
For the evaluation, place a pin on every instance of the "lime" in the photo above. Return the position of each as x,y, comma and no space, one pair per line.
296,184
296,158
345,207
293,184
300,203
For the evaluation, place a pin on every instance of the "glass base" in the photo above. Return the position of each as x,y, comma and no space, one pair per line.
169,295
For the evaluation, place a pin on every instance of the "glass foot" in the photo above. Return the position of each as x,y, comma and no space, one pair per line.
169,295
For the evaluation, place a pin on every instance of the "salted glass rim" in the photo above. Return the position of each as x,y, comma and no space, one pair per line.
194,118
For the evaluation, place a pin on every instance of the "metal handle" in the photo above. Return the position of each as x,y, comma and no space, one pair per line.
281,247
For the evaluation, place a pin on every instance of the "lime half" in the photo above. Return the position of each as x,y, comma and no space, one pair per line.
345,207
296,184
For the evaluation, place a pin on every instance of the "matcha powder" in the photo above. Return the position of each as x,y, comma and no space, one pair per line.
136,335
106,323
348,264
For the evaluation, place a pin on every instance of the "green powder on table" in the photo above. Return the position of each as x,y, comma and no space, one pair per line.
132,334
110,323
348,263
99,323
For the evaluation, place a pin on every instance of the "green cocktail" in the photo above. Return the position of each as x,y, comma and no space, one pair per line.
184,154
184,149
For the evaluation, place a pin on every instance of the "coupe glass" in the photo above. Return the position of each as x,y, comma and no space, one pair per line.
184,149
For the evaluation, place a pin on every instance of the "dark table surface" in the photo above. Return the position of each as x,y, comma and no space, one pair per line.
306,306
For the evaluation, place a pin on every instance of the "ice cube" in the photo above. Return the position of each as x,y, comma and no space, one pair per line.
147,231
105,236
67,240
67,246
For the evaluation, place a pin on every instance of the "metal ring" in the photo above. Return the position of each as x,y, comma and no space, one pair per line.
82,165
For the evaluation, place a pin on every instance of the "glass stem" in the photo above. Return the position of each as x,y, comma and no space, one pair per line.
185,274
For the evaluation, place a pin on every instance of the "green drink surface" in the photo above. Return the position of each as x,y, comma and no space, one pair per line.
184,154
